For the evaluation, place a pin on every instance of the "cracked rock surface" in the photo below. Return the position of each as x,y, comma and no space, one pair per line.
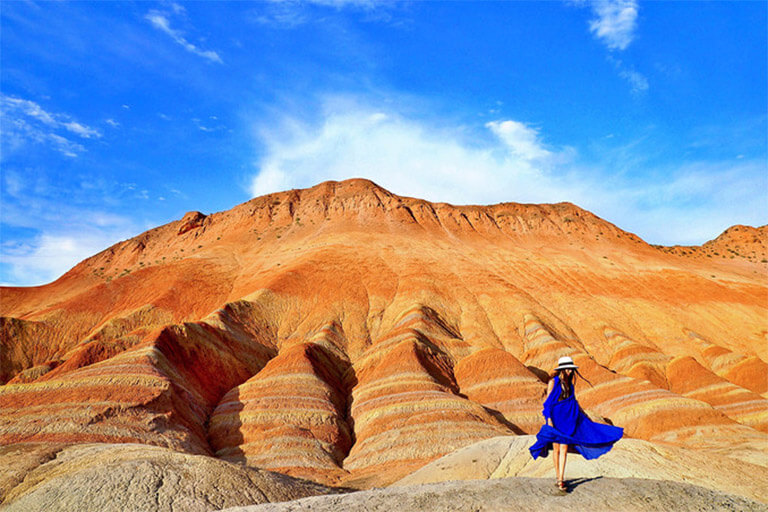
109,477
524,494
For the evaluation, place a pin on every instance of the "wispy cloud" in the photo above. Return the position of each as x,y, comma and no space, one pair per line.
339,4
522,140
615,22
289,14
637,81
208,127
54,229
439,162
81,130
691,202
47,256
25,122
285,15
65,146
161,21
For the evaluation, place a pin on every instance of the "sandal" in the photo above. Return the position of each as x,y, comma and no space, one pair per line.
561,485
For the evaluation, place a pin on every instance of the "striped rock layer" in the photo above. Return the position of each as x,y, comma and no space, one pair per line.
348,335
290,417
683,375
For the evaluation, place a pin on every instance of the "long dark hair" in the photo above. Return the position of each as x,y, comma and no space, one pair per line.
567,380
566,383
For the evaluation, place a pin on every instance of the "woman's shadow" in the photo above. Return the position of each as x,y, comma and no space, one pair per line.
574,483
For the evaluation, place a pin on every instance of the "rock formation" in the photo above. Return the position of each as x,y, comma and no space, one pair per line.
348,335
110,477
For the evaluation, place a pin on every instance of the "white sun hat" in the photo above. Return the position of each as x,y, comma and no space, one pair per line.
565,363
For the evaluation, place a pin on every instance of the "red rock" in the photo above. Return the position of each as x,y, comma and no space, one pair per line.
290,417
498,381
422,327
190,221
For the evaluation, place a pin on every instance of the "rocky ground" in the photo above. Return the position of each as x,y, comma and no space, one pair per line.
518,494
508,456
492,475
132,477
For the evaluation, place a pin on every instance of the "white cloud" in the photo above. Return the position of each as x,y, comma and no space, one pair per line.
340,4
161,22
14,183
615,22
638,81
66,146
688,203
81,130
27,108
523,141
292,13
112,123
177,192
48,229
18,107
204,128
25,122
282,16
406,156
49,255
65,235
53,251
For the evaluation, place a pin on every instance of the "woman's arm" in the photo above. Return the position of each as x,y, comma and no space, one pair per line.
550,386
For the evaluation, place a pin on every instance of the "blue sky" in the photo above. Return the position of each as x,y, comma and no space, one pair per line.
120,116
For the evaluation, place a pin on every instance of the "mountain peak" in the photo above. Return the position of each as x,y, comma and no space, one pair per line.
348,335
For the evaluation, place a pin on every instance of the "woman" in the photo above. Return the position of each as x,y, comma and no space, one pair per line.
567,425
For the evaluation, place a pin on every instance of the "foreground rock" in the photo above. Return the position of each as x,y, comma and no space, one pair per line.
504,457
137,478
513,494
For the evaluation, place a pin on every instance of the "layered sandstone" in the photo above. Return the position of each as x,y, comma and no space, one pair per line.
348,335
290,417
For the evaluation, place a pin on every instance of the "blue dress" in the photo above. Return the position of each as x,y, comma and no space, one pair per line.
572,427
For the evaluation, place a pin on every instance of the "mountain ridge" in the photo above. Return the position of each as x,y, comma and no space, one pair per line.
348,335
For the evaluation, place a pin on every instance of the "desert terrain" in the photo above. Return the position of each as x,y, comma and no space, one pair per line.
323,344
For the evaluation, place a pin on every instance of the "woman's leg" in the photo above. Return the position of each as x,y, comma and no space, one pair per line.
563,449
556,459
